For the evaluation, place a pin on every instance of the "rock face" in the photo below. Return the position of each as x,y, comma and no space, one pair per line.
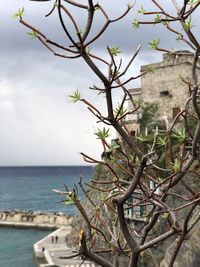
188,255
160,255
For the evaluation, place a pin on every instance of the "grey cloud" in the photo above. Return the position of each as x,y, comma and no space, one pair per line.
38,124
120,33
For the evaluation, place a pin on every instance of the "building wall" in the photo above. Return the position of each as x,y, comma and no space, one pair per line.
132,119
163,85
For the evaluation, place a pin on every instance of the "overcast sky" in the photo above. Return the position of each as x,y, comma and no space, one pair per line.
39,126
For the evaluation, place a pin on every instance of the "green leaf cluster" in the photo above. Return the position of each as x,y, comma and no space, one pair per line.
176,165
154,44
32,34
162,141
102,197
70,199
113,146
192,2
179,136
165,215
165,22
148,139
136,24
75,97
158,18
97,7
102,134
179,38
187,25
141,10
110,153
114,50
120,111
19,13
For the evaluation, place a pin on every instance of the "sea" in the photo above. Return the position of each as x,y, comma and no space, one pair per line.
31,188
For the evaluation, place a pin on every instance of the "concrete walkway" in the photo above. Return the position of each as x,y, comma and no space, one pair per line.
54,251
23,225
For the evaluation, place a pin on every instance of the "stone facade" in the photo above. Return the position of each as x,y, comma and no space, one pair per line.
163,84
131,122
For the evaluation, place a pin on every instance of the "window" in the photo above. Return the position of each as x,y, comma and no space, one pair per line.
133,133
175,112
164,93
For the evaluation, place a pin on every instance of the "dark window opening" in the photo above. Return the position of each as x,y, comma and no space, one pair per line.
133,133
175,111
164,93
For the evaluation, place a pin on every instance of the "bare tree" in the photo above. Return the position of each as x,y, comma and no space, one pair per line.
131,162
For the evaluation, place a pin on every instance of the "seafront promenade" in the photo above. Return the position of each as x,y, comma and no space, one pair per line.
53,254
31,219
52,250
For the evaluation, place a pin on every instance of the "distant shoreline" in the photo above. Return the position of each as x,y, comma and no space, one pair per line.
34,220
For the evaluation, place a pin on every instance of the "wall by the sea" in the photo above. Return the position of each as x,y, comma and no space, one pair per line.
32,219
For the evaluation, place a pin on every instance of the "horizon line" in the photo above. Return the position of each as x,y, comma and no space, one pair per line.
70,165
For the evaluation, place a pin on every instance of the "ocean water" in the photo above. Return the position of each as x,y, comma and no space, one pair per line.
16,246
30,188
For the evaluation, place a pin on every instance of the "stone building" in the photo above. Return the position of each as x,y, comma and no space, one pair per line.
166,83
163,84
